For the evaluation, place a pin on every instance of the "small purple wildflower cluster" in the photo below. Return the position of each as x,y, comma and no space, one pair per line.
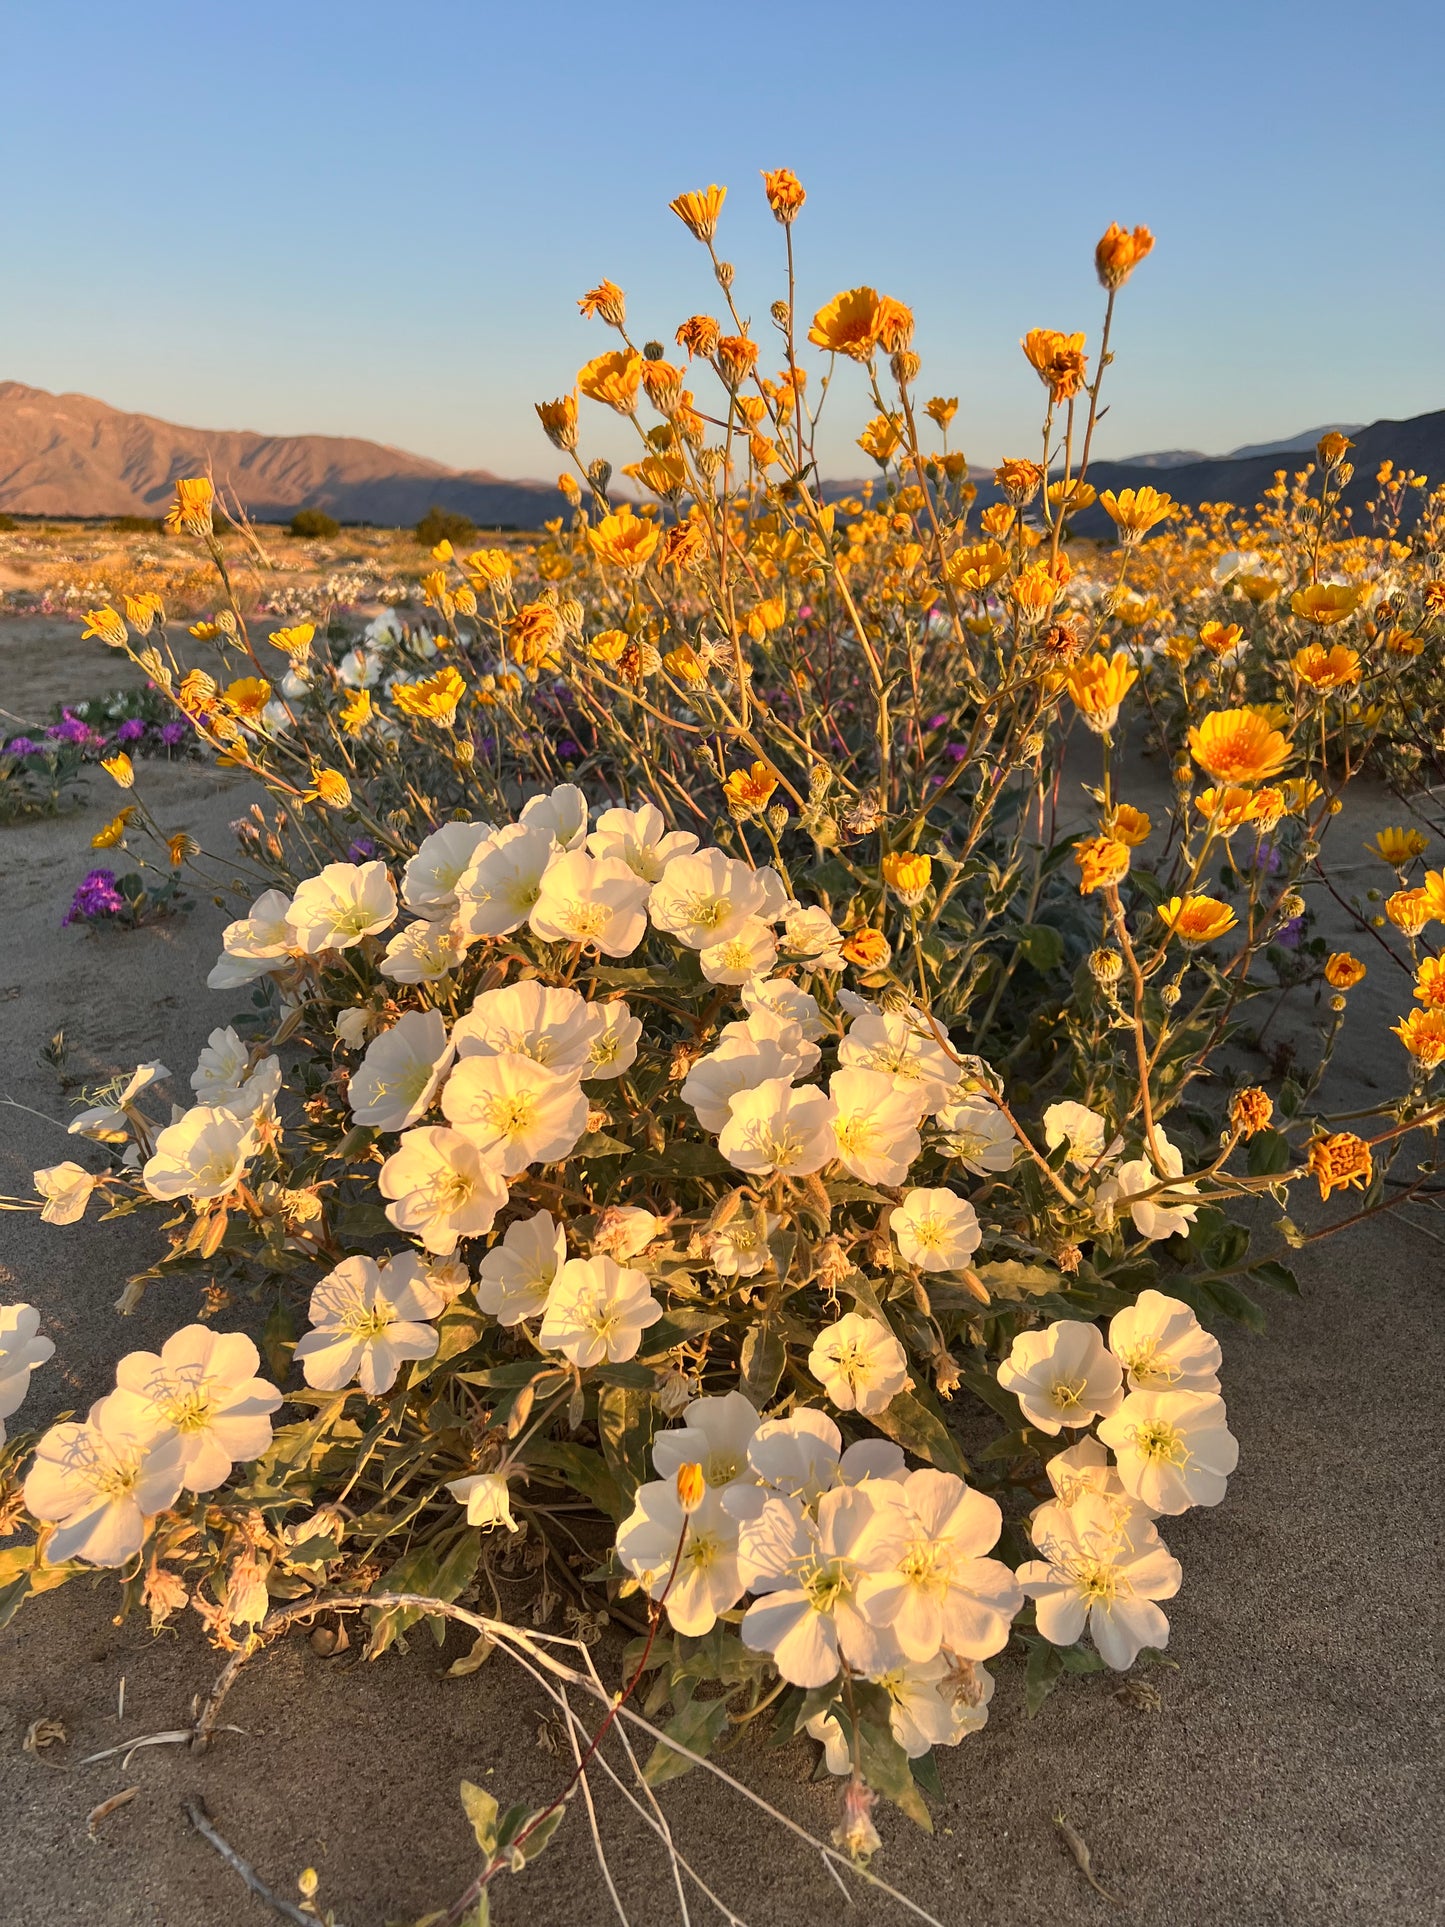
96,896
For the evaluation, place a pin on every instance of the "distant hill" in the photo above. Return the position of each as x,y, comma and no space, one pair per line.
67,455
1293,445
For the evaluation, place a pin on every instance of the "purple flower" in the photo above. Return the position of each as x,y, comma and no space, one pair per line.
955,752
1288,934
97,896
567,748
24,746
131,730
174,734
360,850
937,722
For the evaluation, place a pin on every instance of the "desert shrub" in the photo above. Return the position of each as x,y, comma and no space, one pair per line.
314,524
136,524
443,525
8,524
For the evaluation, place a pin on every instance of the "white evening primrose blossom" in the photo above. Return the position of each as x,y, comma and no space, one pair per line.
800,1055
340,906
808,1577
202,1155
704,899
715,1433
935,1228
1083,1130
351,1027
1161,1216
516,1111
875,1124
22,1349
872,1459
791,1458
221,1067
514,1278
739,1248
624,1231
597,1312
859,1364
1174,1449
740,1063
1062,1375
775,1128
903,1045
255,1096
66,1189
553,1026
429,881
749,952
977,1133
812,936
783,1001
204,1385
1085,1467
395,1082
487,1498
367,1320
937,1702
441,1188
1163,1347
497,890
255,943
594,902
562,812
422,953
704,1575
1103,1568
99,1482
641,839
929,1579
113,1123
614,1048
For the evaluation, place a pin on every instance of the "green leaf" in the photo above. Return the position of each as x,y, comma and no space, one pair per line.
1271,1272
1269,1153
635,1377
597,1144
1042,945
458,1329
278,1340
1045,1669
681,1160
677,1327
538,1840
481,1810
908,1421
421,1570
697,1725
886,1767
763,1357
625,1420
585,1471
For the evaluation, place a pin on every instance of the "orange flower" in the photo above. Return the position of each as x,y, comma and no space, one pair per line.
1221,638
1250,1111
907,872
786,194
625,540
997,519
748,790
434,699
699,211
1226,810
894,325
683,662
1197,919
1098,685
108,626
1333,448
535,635
882,438
559,418
1326,602
685,544
1129,825
112,833
1101,860
1238,746
737,357
1119,252
488,568
608,644
613,378
848,325
1034,591
1069,498
699,335
662,475
691,1487
1422,1033
941,410
1134,511
1333,668
1341,1162
330,787
868,948
663,383
1343,971
1430,983
606,300
973,569
1411,910
1058,360
1019,481
192,512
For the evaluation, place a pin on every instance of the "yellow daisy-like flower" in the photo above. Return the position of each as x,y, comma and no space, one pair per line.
1119,252
848,325
433,700
1134,511
1326,603
748,790
356,711
1227,809
180,846
488,568
330,787
108,626
1238,746
295,641
1341,1162
559,418
1128,825
1343,971
1220,638
682,663
248,696
1101,860
535,635
975,568
1399,847
1197,919
612,379
144,611
1422,1032
1033,592
1333,668
1300,794
869,949
907,874
699,211
1098,685
1430,983
1250,1111
624,540
1058,360
786,194
193,511
941,409
120,769
1411,910
108,837
605,300
882,438
608,645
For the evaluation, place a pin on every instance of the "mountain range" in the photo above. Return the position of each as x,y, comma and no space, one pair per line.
1291,445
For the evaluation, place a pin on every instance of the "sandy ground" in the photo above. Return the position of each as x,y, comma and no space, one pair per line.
1291,1777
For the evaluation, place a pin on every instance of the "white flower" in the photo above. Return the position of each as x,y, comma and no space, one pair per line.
204,1385
739,1249
859,1364
872,1459
422,953
221,1067
359,669
1163,1347
514,1278
812,1576
202,1155
22,1349
934,1703
751,951
783,1002
496,891
346,902
936,1229
255,943
704,1576
614,1048
978,1134
113,1123
929,1581
1085,1467
1105,1567
100,1483
66,1189
792,1458
366,1321
775,1128
641,839
704,899
596,902
715,1433
562,812
441,1188
555,1027
903,1044
1174,1449
516,1111
1155,1217
875,1124
598,1310
351,1028
256,1094
395,1082
625,1230
487,1499
429,881
740,1063
1062,1376
813,936
1082,1130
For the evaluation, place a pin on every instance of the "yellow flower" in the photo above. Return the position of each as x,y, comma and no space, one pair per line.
737,356
608,645
848,325
683,663
1071,497
144,611
535,634
1341,1162
1399,847
356,711
1119,252
1299,793
330,787
748,790
1034,591
432,700
296,641
192,512
1430,983
941,410
1220,638
997,519
786,194
1129,825
907,872
179,847
1343,971
1097,685
1238,746
699,211
1411,910
882,438
120,769
1326,602
613,379
699,335
1333,448
1019,480
1333,668
868,948
662,382
894,324
1134,511
1250,1111
1197,919
1101,860
488,568
1257,588
974,569
1226,809
559,418
625,540
205,631
108,626
691,1487
107,838
248,696
606,300
1058,360
1422,1032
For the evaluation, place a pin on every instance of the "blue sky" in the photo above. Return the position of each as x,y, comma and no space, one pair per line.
376,219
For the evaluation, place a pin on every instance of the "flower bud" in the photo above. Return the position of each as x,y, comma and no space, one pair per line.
782,315
691,1487
1105,966
1291,905
724,274
1169,996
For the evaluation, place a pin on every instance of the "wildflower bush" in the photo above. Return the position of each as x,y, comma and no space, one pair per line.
724,1124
